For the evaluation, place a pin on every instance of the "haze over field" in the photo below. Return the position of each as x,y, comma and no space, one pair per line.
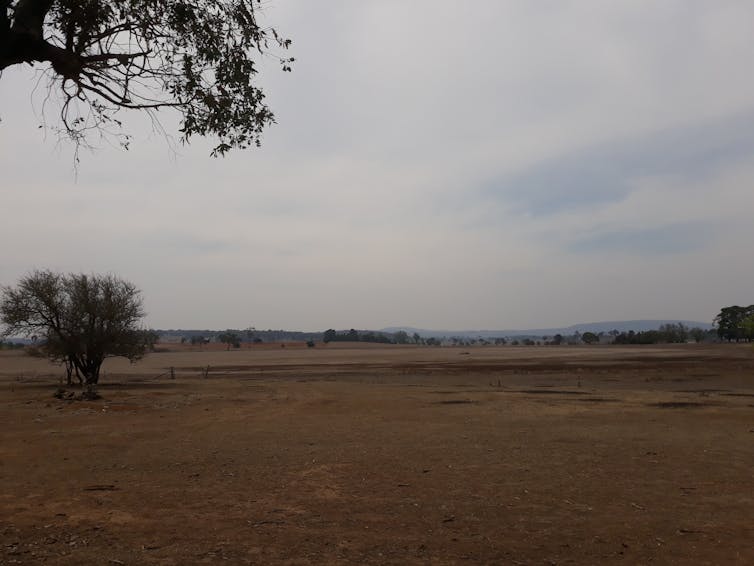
435,164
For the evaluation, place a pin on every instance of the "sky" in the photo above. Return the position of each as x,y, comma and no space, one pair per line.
445,165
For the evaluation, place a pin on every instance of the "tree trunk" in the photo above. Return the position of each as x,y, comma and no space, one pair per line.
92,376
88,371
90,392
91,380
24,41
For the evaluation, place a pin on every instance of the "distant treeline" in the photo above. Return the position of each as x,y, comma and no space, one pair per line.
353,335
248,335
666,334
400,337
733,323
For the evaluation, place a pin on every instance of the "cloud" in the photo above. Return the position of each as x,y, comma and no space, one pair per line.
608,172
665,240
484,164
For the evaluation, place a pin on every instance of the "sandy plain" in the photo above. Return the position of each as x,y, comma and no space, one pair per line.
344,454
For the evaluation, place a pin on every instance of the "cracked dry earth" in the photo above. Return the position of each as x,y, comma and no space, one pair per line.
384,455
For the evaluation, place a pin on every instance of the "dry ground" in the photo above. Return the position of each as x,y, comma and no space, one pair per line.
384,455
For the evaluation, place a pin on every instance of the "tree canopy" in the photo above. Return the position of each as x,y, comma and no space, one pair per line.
79,319
590,338
105,56
735,323
230,338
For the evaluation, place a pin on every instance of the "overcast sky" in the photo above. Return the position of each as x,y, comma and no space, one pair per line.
449,165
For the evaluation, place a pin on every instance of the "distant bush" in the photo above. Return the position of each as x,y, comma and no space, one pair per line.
230,339
353,335
666,334
590,338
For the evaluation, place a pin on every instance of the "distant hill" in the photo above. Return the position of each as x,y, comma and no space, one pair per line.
596,327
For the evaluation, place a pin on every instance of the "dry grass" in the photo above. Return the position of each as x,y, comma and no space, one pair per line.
384,455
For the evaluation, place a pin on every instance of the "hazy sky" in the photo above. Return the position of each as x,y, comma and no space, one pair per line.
464,165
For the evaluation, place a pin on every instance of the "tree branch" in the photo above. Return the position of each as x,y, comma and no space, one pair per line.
124,103
122,58
197,56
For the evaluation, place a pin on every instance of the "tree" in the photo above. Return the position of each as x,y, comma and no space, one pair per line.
747,325
401,337
730,322
83,319
674,333
250,335
230,338
589,338
698,334
198,340
105,56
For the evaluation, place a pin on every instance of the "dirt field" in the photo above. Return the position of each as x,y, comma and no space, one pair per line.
384,455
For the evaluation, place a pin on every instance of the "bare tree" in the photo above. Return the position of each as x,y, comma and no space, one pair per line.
103,56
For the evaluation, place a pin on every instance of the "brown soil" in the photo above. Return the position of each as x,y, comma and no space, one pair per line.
384,455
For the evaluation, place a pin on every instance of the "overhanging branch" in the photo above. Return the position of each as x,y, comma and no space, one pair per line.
198,56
